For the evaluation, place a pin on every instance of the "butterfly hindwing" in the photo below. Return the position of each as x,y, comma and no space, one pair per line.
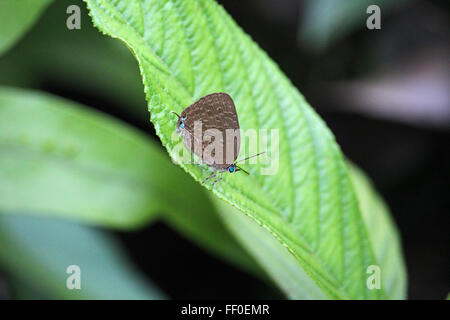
214,111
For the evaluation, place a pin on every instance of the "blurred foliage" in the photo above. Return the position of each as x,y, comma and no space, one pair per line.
15,19
60,158
281,265
36,251
309,205
106,173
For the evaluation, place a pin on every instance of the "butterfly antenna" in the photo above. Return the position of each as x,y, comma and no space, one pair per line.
240,169
176,113
258,154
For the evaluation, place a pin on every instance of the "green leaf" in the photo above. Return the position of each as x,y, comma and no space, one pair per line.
112,77
33,59
187,49
16,17
276,259
209,232
61,159
38,251
383,235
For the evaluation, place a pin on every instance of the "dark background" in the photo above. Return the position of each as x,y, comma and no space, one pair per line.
406,154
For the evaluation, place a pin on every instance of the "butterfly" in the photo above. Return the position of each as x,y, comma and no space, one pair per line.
210,129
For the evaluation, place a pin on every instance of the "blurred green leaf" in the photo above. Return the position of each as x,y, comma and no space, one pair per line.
60,159
38,251
187,49
82,60
325,22
208,231
16,17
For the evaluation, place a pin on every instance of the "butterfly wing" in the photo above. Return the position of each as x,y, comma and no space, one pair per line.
217,114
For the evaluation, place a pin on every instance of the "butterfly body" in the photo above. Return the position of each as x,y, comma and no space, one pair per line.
215,111
212,121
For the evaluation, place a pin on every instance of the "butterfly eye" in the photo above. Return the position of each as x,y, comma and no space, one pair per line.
231,169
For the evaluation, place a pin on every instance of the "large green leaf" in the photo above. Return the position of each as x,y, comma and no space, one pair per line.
383,235
60,159
187,49
324,22
36,252
63,160
280,264
47,53
16,17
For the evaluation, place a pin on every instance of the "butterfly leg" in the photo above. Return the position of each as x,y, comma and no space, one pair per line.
218,179
211,176
196,163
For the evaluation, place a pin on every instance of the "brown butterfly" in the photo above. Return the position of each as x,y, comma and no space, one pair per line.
210,129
